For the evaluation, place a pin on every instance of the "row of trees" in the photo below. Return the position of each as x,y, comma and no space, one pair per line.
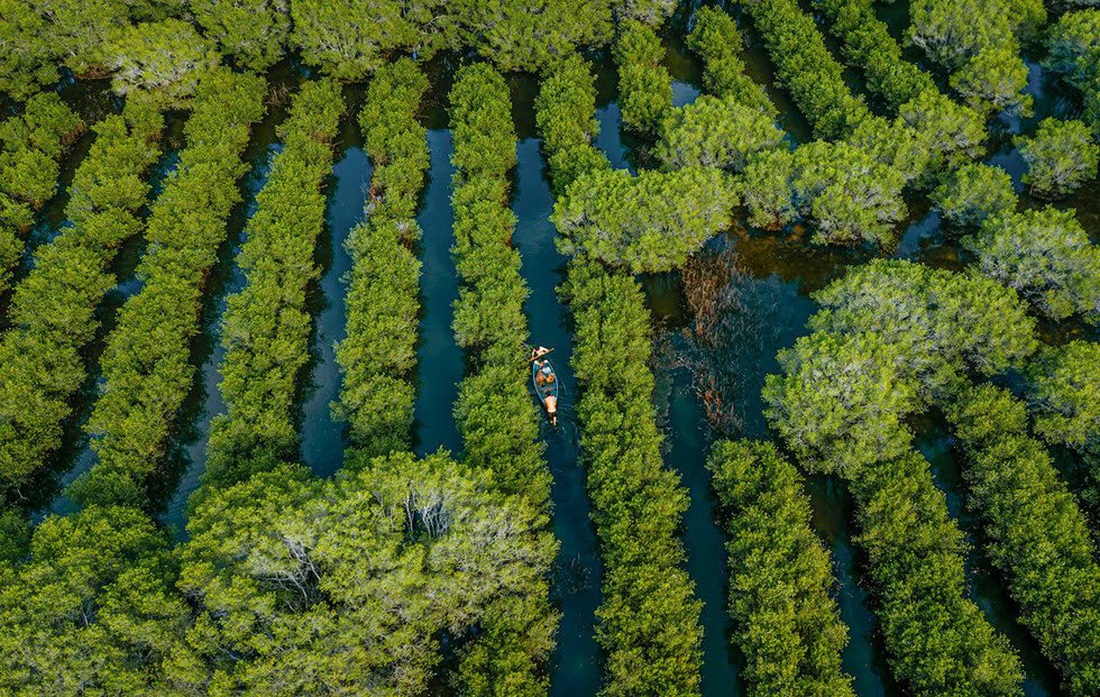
649,619
1074,51
867,42
494,413
1037,534
378,354
714,38
53,312
265,328
785,619
33,143
347,40
645,86
892,337
146,363
806,68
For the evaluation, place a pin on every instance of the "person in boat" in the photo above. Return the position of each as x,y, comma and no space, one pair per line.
538,352
545,376
552,409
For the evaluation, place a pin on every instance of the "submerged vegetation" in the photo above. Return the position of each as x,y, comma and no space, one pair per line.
436,572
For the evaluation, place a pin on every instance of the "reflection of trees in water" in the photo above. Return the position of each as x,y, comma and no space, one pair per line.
732,334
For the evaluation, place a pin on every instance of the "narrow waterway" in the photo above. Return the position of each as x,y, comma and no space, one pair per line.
440,364
205,400
576,666
322,435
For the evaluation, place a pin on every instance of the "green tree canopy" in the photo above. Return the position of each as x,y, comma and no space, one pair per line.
345,585
974,193
847,195
254,32
1047,257
1060,157
166,59
943,324
647,223
715,132
93,610
1064,393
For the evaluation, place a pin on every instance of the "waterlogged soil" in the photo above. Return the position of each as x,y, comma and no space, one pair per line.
776,274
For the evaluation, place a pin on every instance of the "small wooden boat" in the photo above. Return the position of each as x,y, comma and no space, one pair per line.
545,382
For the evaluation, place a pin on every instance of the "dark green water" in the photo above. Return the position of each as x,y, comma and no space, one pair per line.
440,360
323,436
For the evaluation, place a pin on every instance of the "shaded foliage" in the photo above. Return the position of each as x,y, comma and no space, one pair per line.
1037,534
53,309
786,621
33,144
146,363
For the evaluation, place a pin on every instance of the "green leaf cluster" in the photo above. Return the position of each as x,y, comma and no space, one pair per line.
1037,534
806,68
33,144
528,34
715,39
166,59
146,363
565,115
848,195
378,352
785,619
92,610
645,86
253,32
1074,50
265,327
53,310
942,325
650,12
938,639
1064,395
494,413
651,222
973,194
978,42
715,132
1060,157
1046,256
